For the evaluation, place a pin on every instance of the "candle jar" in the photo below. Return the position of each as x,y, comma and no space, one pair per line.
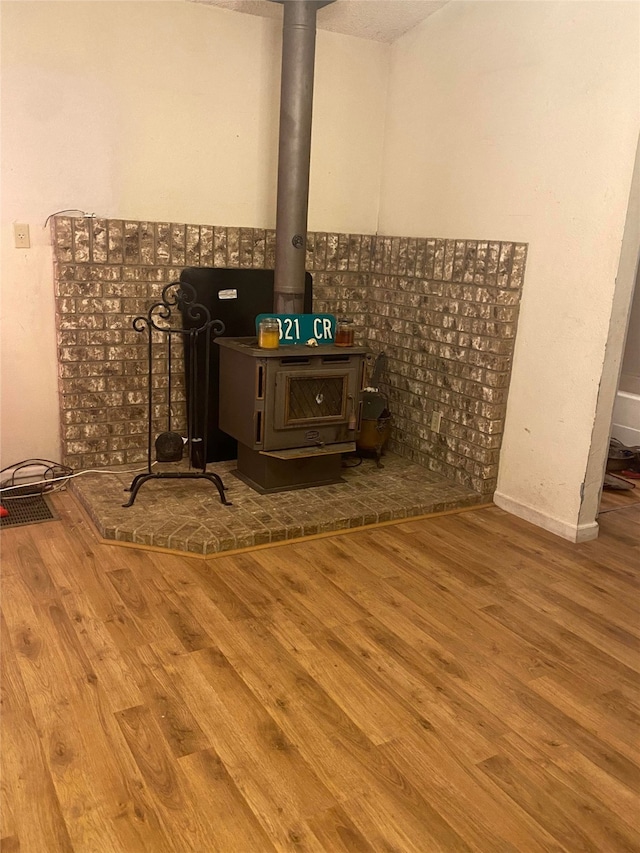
269,333
344,333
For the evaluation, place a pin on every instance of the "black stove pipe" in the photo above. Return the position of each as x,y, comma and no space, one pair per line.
294,151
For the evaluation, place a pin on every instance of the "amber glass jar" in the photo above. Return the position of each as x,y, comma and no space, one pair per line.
344,333
269,333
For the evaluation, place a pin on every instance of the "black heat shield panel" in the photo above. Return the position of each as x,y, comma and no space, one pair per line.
253,296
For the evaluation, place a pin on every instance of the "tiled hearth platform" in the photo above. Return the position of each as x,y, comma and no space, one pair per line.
188,516
443,311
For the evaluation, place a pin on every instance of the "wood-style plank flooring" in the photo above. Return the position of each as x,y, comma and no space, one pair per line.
462,683
612,499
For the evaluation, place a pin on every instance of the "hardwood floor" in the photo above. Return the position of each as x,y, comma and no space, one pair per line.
612,499
462,683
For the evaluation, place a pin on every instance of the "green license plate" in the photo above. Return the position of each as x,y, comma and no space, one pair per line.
300,328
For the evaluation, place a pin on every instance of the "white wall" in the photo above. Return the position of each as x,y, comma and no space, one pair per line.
156,111
627,270
519,121
630,378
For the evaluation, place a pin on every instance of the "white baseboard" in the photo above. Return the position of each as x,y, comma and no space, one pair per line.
572,532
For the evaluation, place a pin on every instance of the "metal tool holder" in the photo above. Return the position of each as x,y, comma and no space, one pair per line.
169,446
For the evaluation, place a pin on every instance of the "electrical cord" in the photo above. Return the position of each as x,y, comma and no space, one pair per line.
47,482
348,461
68,210
21,478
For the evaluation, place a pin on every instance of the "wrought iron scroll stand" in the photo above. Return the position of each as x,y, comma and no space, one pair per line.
179,295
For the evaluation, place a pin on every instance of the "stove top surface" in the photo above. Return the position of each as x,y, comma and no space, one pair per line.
249,346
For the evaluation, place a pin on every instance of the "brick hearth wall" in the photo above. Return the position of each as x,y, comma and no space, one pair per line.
444,312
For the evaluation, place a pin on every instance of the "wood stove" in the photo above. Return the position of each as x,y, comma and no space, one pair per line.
293,410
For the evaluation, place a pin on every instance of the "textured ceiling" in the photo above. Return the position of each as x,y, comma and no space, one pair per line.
378,20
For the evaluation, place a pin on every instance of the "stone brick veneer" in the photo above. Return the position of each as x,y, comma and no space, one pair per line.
444,312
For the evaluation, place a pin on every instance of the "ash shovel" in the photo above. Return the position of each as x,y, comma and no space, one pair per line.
374,403
379,366
169,444
375,423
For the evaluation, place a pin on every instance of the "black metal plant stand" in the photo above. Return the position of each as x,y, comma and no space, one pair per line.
169,445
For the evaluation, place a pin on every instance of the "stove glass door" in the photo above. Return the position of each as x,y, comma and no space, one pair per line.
304,398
